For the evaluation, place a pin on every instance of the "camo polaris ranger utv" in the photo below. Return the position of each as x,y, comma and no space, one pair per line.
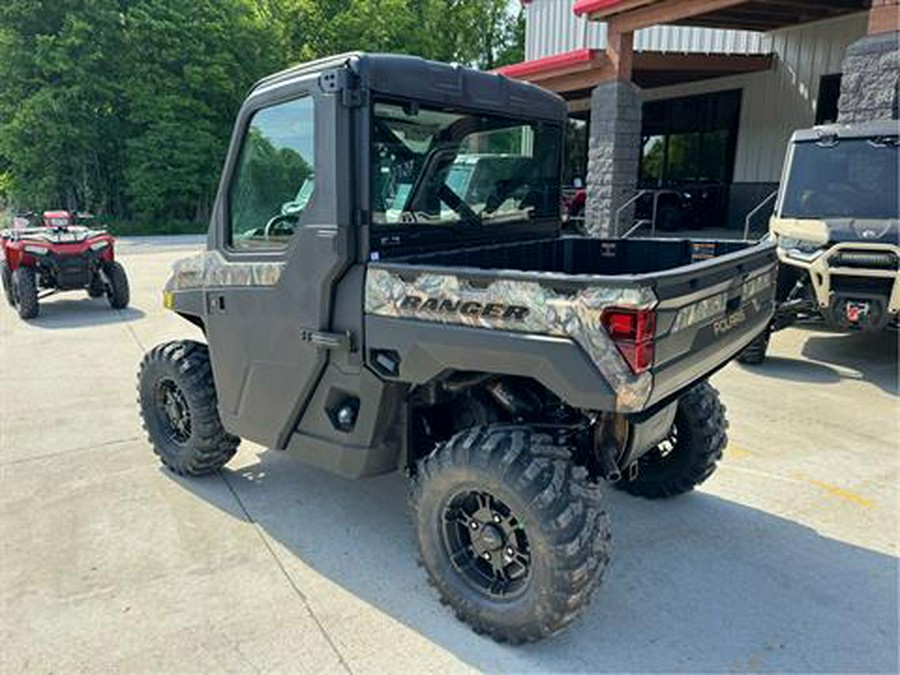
837,223
363,315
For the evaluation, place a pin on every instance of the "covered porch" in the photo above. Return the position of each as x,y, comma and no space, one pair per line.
636,112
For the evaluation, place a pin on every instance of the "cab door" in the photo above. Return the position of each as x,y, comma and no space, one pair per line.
277,244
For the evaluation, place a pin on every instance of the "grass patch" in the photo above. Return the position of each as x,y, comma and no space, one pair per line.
128,228
121,228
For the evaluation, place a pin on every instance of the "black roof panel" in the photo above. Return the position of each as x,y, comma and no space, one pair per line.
447,85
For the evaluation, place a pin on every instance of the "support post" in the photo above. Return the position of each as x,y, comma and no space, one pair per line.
615,137
871,69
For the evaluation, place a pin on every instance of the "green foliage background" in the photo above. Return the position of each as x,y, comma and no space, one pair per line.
124,107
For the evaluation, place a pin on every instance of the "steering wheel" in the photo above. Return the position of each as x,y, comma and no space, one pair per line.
275,221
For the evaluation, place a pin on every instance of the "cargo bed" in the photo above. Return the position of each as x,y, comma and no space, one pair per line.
709,298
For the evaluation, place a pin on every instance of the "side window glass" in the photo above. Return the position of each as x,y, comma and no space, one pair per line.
274,178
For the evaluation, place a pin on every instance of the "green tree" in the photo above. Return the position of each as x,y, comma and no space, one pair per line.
125,107
189,67
481,33
61,102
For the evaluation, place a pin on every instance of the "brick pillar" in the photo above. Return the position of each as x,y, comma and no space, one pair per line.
613,155
871,69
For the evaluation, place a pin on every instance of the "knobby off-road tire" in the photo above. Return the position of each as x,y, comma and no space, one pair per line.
6,280
26,292
177,398
688,457
118,292
755,353
552,531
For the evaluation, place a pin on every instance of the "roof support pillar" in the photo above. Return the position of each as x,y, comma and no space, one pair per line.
871,69
613,155
884,16
620,52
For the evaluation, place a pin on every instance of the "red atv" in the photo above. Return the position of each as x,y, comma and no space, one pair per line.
55,255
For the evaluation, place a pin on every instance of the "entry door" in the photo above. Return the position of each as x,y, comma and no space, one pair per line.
268,281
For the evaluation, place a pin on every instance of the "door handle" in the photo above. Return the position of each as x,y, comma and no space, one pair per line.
323,340
215,303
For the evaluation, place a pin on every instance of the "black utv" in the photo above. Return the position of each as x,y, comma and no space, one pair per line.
368,308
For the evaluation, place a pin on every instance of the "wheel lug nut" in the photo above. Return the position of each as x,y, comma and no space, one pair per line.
486,555
510,551
496,518
474,525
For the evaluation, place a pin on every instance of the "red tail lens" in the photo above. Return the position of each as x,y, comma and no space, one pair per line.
632,331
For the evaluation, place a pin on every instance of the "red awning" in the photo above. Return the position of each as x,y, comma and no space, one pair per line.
588,6
549,64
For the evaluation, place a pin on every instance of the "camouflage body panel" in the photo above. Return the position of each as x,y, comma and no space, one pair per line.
211,269
520,306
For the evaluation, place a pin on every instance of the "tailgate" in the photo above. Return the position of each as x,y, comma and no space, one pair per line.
708,312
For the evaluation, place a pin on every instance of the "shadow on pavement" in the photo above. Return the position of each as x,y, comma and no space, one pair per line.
874,356
57,313
697,583
795,370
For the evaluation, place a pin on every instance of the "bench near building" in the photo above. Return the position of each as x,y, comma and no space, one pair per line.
700,96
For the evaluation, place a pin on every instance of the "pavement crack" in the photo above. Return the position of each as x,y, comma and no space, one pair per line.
136,338
299,593
58,453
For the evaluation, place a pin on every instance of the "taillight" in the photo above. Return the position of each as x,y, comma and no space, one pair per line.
632,332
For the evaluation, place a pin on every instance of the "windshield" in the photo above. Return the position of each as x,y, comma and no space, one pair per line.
433,168
843,178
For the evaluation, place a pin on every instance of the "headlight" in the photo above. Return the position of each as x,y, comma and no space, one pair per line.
96,246
801,249
36,250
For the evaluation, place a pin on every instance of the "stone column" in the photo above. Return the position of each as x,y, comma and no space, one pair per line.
613,155
871,69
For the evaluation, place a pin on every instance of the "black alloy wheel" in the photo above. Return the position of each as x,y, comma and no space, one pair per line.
179,408
486,544
174,411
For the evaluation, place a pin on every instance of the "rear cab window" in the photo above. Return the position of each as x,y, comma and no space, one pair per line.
461,174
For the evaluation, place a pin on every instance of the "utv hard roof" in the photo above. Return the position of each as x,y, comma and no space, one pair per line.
448,85
863,130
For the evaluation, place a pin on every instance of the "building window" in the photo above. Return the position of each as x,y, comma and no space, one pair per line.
576,151
690,139
827,103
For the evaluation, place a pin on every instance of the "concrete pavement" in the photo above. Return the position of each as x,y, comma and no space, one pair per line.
785,560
